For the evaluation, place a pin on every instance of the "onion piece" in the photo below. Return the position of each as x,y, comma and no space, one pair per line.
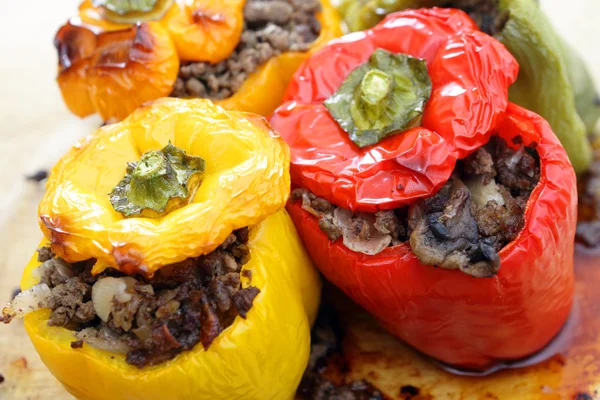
377,241
107,291
25,302
103,339
482,193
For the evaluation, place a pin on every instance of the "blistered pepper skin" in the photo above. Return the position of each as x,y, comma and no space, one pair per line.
470,73
567,103
197,31
246,180
261,357
114,71
461,320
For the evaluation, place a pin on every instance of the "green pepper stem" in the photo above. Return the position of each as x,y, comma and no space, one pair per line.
151,165
374,87
160,182
126,6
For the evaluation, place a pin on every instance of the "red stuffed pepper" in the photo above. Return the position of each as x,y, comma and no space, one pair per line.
442,209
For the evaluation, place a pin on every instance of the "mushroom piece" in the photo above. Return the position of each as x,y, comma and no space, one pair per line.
449,238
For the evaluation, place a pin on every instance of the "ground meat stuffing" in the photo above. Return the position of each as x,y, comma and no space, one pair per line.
588,187
463,226
485,13
324,376
271,27
151,320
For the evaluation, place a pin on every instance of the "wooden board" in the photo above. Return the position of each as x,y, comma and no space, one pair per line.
36,129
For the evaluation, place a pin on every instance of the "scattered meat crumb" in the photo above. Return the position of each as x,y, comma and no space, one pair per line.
2,378
77,344
409,390
37,176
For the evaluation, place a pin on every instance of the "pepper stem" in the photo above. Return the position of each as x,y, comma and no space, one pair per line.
151,165
126,6
160,182
375,87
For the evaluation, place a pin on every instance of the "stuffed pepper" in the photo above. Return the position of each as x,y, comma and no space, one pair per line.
115,55
170,268
442,209
568,103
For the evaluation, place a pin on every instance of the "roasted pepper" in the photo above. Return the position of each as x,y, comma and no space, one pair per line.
244,183
461,320
111,65
567,104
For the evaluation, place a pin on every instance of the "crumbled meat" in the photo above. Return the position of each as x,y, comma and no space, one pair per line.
463,226
45,253
588,188
316,387
78,344
485,13
37,176
68,303
271,28
409,390
450,238
480,163
588,233
155,319
326,360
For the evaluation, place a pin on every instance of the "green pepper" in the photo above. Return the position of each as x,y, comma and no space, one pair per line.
544,84
553,81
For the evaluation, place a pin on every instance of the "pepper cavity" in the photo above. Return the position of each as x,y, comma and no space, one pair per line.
463,226
149,320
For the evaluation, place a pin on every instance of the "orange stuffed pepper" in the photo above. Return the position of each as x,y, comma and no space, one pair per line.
114,56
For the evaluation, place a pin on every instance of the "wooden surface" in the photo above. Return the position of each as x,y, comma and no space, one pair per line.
36,129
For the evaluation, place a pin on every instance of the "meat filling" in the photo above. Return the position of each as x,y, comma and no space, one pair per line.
270,28
588,187
149,320
485,13
324,376
463,226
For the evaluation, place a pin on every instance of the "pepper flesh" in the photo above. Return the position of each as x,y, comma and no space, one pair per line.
114,71
204,30
261,357
553,81
456,318
470,73
245,181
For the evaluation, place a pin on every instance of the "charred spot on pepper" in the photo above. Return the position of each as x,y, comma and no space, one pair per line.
73,44
463,226
128,259
151,320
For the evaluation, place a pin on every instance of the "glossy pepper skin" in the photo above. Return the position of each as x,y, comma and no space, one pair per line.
246,179
567,103
100,71
470,73
260,357
461,320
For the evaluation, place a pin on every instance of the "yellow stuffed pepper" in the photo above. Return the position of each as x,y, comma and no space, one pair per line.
115,55
170,268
